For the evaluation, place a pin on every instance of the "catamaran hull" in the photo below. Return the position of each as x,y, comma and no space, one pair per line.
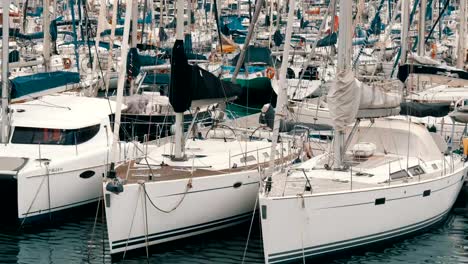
298,227
51,192
213,202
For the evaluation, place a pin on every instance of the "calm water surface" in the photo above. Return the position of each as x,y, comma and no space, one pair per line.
79,239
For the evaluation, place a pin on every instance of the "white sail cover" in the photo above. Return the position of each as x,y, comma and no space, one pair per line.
347,96
377,98
343,100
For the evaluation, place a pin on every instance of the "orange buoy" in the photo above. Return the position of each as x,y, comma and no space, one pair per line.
270,73
66,63
433,50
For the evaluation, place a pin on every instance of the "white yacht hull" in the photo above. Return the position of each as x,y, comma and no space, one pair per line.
213,202
54,190
297,227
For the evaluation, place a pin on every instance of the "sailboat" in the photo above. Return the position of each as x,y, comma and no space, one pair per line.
55,149
386,178
191,183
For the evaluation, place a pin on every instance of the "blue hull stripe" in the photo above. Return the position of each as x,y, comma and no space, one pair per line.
182,231
345,244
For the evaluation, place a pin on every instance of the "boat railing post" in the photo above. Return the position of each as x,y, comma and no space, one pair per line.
351,175
282,155
443,160
229,159
389,173
258,159
146,140
193,164
419,174
76,145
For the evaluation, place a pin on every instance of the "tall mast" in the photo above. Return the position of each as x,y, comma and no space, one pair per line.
345,38
282,91
100,26
115,5
422,27
134,39
462,36
121,81
179,122
5,47
405,6
46,29
271,23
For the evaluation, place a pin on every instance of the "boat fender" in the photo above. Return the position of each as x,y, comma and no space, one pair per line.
268,184
465,146
66,63
270,73
115,186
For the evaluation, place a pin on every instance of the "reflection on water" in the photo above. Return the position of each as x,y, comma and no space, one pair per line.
74,241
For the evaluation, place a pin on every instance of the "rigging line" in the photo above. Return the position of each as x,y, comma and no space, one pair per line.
47,104
146,228
131,224
369,32
312,53
441,14
187,188
250,229
32,202
387,36
94,227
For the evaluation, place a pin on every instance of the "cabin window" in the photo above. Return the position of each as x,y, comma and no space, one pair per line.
53,136
379,201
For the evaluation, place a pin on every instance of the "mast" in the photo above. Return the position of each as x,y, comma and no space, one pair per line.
134,32
282,91
345,38
422,27
405,6
462,36
271,23
134,39
46,29
179,122
101,19
121,81
115,4
5,50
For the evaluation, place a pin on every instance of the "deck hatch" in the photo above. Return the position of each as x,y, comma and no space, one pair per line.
399,175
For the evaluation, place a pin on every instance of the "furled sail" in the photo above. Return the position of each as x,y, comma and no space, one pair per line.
191,84
343,100
348,99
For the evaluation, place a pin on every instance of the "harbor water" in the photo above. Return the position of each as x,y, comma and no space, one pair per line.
81,237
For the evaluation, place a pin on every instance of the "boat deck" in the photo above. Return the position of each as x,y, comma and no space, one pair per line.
296,185
133,172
